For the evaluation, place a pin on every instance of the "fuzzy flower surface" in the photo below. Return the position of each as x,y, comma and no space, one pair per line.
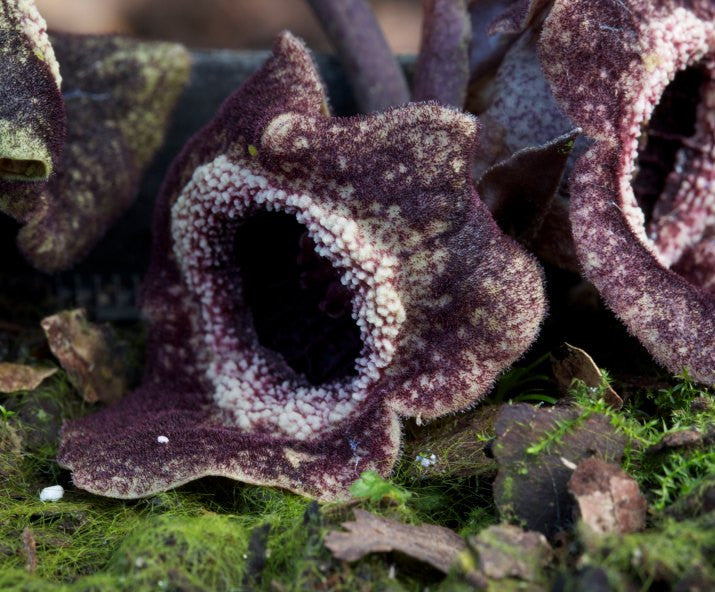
81,117
423,301
635,209
639,78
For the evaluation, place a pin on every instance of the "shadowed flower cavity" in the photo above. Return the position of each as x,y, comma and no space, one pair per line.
638,77
313,279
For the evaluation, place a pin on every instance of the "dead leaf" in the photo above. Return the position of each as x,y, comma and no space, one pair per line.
537,450
507,551
609,500
20,377
438,546
571,363
90,355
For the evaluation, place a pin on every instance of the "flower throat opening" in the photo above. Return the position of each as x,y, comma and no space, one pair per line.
673,121
300,309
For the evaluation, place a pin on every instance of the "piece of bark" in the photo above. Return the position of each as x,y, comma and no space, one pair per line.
683,439
537,450
21,377
438,546
571,363
609,500
507,551
93,360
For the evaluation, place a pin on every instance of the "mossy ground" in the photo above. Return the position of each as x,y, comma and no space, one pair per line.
216,534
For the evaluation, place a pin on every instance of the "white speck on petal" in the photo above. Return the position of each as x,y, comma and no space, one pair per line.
162,440
52,493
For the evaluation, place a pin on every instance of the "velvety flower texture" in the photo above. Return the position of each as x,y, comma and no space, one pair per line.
395,240
118,94
636,209
609,65
80,118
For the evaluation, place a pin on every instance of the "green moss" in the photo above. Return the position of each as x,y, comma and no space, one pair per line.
207,535
666,554
645,420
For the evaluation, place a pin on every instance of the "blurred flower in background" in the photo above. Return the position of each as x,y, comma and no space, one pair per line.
246,24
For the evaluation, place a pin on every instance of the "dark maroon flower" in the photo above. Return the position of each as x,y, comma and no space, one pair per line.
639,78
417,300
118,94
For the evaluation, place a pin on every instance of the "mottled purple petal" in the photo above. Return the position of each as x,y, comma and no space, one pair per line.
518,17
442,300
118,95
522,112
621,57
520,190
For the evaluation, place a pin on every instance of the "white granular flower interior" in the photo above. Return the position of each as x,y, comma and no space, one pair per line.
254,392
679,40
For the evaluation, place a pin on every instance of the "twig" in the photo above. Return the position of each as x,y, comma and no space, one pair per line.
442,70
374,74
30,547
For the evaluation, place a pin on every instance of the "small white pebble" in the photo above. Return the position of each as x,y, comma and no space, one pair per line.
162,440
52,493
568,464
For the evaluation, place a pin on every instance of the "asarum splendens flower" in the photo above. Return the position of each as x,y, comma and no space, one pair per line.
610,64
313,278
637,77
71,161
118,96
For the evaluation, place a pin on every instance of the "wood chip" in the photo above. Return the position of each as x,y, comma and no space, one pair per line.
439,547
609,500
30,547
93,361
507,551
